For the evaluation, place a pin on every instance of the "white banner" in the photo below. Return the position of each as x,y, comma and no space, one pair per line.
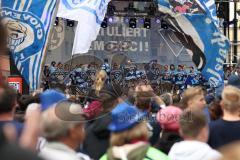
89,14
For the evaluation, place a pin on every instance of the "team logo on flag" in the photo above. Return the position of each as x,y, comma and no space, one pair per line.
25,31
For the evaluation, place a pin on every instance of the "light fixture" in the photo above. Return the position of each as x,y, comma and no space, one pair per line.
147,23
70,23
133,23
104,23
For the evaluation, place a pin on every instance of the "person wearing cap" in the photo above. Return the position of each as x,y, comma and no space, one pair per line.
64,132
226,129
194,130
234,80
168,119
50,97
129,136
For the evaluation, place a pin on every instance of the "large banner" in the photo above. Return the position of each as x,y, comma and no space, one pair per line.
196,27
28,23
89,14
141,45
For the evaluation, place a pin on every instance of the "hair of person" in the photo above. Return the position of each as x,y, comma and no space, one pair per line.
176,98
231,99
189,94
53,62
140,131
143,99
215,110
53,128
167,98
8,99
192,122
25,100
100,81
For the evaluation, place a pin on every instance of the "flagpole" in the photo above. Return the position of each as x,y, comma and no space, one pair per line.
48,39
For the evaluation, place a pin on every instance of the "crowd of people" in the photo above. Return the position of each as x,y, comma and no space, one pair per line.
111,123
162,78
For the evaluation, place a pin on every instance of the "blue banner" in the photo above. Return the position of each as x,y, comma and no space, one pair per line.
28,23
201,36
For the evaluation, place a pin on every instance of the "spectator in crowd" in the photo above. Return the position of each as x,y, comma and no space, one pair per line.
23,102
147,101
234,80
53,67
50,97
194,130
97,133
167,98
8,103
46,77
169,120
129,136
63,137
215,110
193,97
10,151
106,67
60,67
237,70
226,129
97,112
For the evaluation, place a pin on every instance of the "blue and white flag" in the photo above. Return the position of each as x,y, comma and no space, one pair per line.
89,14
197,29
28,23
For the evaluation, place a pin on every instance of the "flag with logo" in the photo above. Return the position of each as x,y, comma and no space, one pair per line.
28,23
89,14
195,23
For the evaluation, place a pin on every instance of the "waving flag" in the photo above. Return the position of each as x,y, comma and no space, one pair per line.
28,23
197,29
89,14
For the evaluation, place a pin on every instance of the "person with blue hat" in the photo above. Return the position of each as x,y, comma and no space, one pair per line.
51,97
129,136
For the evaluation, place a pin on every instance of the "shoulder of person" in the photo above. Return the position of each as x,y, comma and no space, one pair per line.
154,153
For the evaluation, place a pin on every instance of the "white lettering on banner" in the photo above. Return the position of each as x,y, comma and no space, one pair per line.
210,4
209,70
218,39
115,46
123,32
34,22
223,53
134,47
99,45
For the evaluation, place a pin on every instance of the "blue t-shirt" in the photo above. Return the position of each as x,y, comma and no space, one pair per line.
223,132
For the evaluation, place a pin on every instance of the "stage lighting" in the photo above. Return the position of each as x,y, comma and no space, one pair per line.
104,23
147,23
56,21
110,19
70,23
158,20
126,20
133,23
164,24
